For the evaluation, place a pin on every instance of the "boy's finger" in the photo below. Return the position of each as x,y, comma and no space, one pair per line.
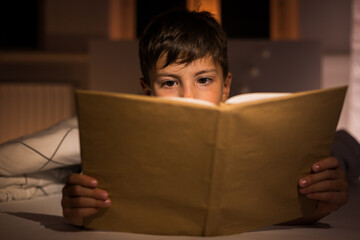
326,163
84,180
325,186
80,191
333,197
321,176
83,202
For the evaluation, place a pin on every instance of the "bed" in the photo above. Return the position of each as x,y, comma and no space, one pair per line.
41,218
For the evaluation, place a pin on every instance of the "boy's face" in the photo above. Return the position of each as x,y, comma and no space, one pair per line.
201,79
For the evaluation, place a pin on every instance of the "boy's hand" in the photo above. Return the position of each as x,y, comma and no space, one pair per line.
327,184
81,198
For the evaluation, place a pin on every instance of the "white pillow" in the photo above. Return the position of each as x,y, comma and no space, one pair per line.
57,146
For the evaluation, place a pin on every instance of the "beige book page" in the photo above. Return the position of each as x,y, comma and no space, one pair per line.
265,148
248,97
157,165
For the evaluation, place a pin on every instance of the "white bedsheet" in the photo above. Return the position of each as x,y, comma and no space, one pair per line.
38,164
41,218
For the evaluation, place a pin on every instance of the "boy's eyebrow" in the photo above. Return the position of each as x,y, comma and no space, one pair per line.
205,71
165,74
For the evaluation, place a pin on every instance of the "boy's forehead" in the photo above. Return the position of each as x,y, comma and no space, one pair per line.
204,61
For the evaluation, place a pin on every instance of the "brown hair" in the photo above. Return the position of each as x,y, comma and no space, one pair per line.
183,36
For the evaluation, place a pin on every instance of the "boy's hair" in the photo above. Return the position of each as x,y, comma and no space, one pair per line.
182,37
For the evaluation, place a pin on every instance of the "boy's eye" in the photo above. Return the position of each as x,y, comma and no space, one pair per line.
204,81
168,83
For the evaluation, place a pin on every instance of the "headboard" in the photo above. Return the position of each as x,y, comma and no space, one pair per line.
27,108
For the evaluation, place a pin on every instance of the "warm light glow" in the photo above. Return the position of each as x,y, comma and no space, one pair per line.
122,19
212,6
284,19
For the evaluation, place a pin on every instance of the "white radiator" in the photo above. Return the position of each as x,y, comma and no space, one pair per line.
27,108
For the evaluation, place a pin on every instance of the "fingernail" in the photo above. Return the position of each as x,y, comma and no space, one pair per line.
93,183
303,182
316,168
107,202
104,195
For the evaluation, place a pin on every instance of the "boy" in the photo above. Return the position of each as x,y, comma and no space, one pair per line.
184,54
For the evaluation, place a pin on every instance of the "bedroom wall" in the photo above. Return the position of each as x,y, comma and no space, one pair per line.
27,108
72,29
329,22
70,26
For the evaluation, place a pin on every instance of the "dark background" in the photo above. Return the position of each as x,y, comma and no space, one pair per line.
22,27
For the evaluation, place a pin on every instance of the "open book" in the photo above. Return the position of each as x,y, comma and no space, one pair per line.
183,168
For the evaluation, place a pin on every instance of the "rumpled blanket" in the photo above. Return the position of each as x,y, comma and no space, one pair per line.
38,164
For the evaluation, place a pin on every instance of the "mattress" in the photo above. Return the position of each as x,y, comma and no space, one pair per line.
41,218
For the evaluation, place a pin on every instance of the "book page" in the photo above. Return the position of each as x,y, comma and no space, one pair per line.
247,97
265,148
191,100
154,156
